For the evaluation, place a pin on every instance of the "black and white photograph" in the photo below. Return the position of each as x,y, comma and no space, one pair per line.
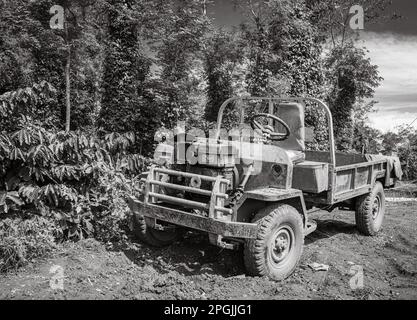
208,154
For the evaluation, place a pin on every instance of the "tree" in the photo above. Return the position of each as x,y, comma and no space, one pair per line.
407,152
40,53
390,142
351,76
32,47
222,55
255,32
284,50
81,31
297,41
15,63
404,144
367,139
183,28
352,79
333,17
126,68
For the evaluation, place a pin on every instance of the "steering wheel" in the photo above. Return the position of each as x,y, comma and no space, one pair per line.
269,130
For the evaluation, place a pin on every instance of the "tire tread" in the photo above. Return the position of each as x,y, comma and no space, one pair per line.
254,252
142,232
363,213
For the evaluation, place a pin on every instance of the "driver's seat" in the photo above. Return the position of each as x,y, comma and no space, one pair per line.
293,115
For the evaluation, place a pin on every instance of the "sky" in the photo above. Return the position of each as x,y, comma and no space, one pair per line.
392,46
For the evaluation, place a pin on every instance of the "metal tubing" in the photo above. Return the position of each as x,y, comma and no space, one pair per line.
188,203
189,175
228,229
180,187
296,99
187,189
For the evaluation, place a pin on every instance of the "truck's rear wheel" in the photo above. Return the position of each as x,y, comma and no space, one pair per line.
153,237
277,248
370,211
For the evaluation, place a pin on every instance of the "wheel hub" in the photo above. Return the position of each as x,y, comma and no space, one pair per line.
376,206
281,245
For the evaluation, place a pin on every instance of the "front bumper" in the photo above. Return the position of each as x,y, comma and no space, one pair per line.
225,229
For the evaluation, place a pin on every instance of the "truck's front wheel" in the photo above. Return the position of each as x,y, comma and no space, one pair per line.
277,248
370,211
153,237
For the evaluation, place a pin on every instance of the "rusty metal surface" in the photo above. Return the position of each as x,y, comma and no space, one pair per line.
217,193
357,179
187,174
273,194
346,195
360,165
224,228
353,177
269,177
311,177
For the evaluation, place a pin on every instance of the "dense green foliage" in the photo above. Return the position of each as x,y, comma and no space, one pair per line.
126,69
138,65
76,180
403,143
222,58
353,79
22,240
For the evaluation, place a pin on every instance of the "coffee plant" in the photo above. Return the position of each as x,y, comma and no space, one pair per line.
73,177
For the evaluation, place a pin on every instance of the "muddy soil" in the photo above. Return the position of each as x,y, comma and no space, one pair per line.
193,269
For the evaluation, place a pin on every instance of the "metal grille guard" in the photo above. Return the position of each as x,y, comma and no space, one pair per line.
219,222
217,194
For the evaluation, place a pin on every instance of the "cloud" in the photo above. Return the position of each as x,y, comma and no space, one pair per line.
396,56
387,121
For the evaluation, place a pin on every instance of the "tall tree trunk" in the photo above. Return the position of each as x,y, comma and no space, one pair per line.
68,90
67,81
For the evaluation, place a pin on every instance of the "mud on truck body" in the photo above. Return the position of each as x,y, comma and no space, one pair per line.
258,190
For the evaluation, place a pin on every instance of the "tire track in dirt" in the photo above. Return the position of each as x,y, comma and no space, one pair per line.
193,269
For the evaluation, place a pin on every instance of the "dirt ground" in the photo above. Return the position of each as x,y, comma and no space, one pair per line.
193,269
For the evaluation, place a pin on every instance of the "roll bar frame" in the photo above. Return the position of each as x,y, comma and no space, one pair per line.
271,100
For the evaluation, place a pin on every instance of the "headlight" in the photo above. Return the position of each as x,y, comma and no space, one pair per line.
195,182
276,170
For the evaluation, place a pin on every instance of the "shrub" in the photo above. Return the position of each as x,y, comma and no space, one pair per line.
80,180
22,240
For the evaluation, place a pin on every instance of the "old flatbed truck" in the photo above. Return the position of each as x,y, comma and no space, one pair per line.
268,211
